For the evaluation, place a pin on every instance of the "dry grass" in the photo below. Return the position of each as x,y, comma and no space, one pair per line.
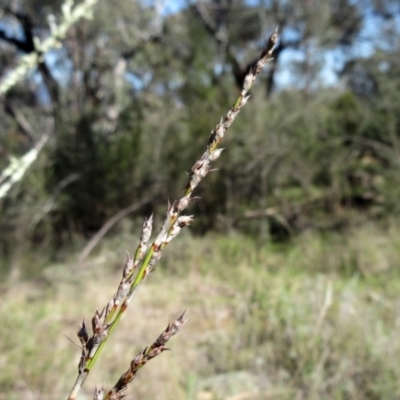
260,326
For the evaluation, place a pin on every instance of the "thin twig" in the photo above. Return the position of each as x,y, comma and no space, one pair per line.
93,242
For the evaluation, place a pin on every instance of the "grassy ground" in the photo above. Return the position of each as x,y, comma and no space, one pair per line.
318,318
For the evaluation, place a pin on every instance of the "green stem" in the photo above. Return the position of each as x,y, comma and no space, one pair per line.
136,282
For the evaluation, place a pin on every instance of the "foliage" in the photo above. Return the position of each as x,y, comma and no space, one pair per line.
135,91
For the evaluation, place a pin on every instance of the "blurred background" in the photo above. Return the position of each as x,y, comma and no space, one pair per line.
291,270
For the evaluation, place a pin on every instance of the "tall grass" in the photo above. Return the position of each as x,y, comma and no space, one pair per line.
301,321
139,265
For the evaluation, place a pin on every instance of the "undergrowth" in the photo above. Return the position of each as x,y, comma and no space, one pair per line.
316,318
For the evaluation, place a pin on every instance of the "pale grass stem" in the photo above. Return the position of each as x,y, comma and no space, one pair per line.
104,322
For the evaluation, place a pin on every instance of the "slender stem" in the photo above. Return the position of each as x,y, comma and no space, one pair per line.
104,323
